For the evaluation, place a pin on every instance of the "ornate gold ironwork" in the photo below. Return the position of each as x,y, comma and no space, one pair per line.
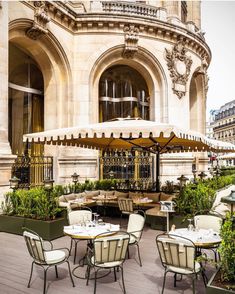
32,170
132,169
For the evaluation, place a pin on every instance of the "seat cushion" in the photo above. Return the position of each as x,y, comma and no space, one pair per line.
183,270
54,256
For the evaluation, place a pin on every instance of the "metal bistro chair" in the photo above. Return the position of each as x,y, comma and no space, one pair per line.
126,207
135,229
209,222
45,258
78,217
178,255
108,252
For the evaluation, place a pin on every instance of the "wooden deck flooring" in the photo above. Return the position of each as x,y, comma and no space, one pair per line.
15,268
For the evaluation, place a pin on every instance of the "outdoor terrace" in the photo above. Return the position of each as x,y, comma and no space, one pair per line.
16,262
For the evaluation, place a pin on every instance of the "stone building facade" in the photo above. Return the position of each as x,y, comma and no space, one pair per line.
65,63
224,123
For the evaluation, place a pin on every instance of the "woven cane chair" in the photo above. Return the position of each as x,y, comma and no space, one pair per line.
78,217
209,222
45,258
178,256
135,229
108,252
126,207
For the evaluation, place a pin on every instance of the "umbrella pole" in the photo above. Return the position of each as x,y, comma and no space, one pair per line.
157,171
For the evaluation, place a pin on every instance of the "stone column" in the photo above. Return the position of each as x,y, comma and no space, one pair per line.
6,158
172,8
196,15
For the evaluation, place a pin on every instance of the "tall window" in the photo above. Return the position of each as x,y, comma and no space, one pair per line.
123,92
26,101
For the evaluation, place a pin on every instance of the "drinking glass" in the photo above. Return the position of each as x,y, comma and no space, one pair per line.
190,226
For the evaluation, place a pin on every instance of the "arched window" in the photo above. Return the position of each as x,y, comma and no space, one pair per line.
123,92
26,100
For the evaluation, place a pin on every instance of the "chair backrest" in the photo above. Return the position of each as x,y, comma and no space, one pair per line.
208,222
176,251
111,248
78,216
125,204
136,225
35,246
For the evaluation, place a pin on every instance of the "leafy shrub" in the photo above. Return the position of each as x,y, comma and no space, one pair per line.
195,199
34,203
168,187
227,249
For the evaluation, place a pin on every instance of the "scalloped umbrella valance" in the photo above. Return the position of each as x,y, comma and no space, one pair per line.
131,134
127,134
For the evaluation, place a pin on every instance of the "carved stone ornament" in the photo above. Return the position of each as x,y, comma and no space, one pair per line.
40,21
179,65
131,35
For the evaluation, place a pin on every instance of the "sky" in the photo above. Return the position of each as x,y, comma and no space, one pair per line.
218,23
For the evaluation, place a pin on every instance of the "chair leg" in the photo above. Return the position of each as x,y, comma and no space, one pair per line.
88,274
123,284
204,278
45,280
139,254
31,273
175,279
75,252
128,252
70,274
115,276
95,282
193,280
164,281
71,245
56,271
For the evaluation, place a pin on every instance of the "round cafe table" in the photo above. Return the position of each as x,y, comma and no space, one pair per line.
89,232
202,238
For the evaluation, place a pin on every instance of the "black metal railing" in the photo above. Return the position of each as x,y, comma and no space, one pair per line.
32,170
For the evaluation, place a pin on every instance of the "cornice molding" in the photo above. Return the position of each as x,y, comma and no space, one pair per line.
79,23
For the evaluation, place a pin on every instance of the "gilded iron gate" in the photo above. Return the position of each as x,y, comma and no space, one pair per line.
133,169
32,170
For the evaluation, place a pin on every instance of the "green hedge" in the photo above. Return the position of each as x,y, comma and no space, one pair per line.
35,203
199,198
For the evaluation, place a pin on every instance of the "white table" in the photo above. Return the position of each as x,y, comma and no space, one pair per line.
201,238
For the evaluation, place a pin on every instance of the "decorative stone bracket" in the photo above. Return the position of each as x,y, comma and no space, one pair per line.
40,21
131,35
179,65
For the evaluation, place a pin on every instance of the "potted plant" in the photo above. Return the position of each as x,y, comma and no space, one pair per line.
36,209
223,281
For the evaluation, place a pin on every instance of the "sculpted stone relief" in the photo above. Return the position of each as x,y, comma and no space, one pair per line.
179,65
131,35
40,20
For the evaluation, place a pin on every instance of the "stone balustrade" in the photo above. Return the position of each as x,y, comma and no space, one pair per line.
134,9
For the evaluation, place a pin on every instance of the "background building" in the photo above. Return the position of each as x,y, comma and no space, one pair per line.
224,123
65,63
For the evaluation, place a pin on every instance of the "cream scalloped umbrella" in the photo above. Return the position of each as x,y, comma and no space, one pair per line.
131,134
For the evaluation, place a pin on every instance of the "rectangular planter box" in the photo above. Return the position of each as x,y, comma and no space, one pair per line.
11,224
48,230
210,289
